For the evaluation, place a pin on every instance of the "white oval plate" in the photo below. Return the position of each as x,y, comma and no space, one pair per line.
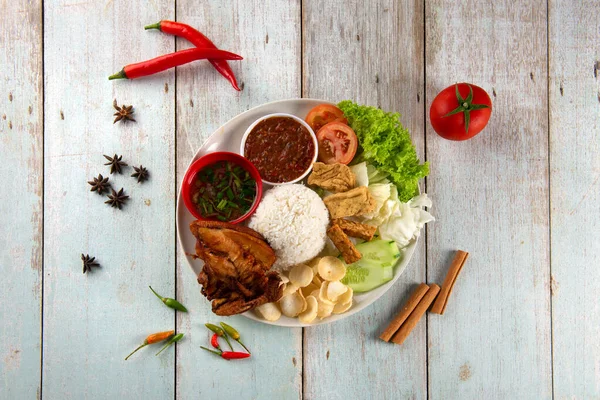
228,138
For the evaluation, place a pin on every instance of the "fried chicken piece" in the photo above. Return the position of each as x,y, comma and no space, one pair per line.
357,201
236,304
333,177
356,229
235,275
343,244
222,225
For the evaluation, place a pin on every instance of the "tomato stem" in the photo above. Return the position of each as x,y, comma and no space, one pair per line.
465,106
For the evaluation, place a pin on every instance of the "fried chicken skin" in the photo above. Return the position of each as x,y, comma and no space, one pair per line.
237,260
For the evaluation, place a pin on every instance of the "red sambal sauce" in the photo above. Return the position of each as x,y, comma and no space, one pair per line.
280,148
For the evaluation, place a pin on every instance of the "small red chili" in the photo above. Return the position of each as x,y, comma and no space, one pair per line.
219,331
199,40
228,355
161,63
234,355
214,341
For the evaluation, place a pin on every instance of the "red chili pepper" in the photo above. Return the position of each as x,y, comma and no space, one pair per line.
161,63
214,341
199,40
228,355
234,355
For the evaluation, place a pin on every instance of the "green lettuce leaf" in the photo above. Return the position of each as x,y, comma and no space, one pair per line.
386,144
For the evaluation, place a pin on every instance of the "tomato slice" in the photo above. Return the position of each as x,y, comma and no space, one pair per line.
337,143
323,114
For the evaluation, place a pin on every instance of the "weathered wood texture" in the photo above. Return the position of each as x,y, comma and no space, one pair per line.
92,321
491,197
372,54
574,56
21,180
267,35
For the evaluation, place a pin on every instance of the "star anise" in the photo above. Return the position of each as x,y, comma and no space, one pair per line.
116,199
88,262
123,113
115,163
99,184
140,173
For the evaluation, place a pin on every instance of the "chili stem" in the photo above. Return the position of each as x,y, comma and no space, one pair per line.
130,354
212,351
174,339
153,26
118,75
243,345
157,295
228,342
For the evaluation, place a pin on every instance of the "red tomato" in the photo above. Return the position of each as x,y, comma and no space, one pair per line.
322,115
460,115
337,143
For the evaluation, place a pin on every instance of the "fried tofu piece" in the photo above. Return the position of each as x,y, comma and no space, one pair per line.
333,177
354,202
356,229
343,244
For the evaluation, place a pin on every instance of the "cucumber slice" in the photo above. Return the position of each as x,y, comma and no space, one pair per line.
388,273
376,266
385,252
365,276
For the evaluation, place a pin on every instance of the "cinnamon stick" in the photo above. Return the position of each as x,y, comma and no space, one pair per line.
408,308
416,315
442,300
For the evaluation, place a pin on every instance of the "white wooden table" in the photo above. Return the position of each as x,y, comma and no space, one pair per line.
522,197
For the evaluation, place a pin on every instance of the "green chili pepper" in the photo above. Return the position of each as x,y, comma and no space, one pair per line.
235,335
219,331
174,339
172,303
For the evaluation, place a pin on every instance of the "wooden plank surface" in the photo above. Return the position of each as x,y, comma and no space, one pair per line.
372,55
267,35
491,197
92,321
575,193
21,151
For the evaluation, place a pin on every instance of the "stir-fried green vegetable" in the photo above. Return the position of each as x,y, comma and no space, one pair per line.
224,191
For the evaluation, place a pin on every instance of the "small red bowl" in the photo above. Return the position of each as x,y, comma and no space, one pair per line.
211,158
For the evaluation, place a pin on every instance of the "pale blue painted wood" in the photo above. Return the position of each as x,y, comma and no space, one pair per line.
575,195
92,321
493,340
20,198
491,197
267,35
353,52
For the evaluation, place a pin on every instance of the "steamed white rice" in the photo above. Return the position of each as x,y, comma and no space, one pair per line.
294,221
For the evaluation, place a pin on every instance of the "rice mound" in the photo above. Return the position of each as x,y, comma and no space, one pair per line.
294,221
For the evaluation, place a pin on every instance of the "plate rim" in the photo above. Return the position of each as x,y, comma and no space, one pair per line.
407,253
